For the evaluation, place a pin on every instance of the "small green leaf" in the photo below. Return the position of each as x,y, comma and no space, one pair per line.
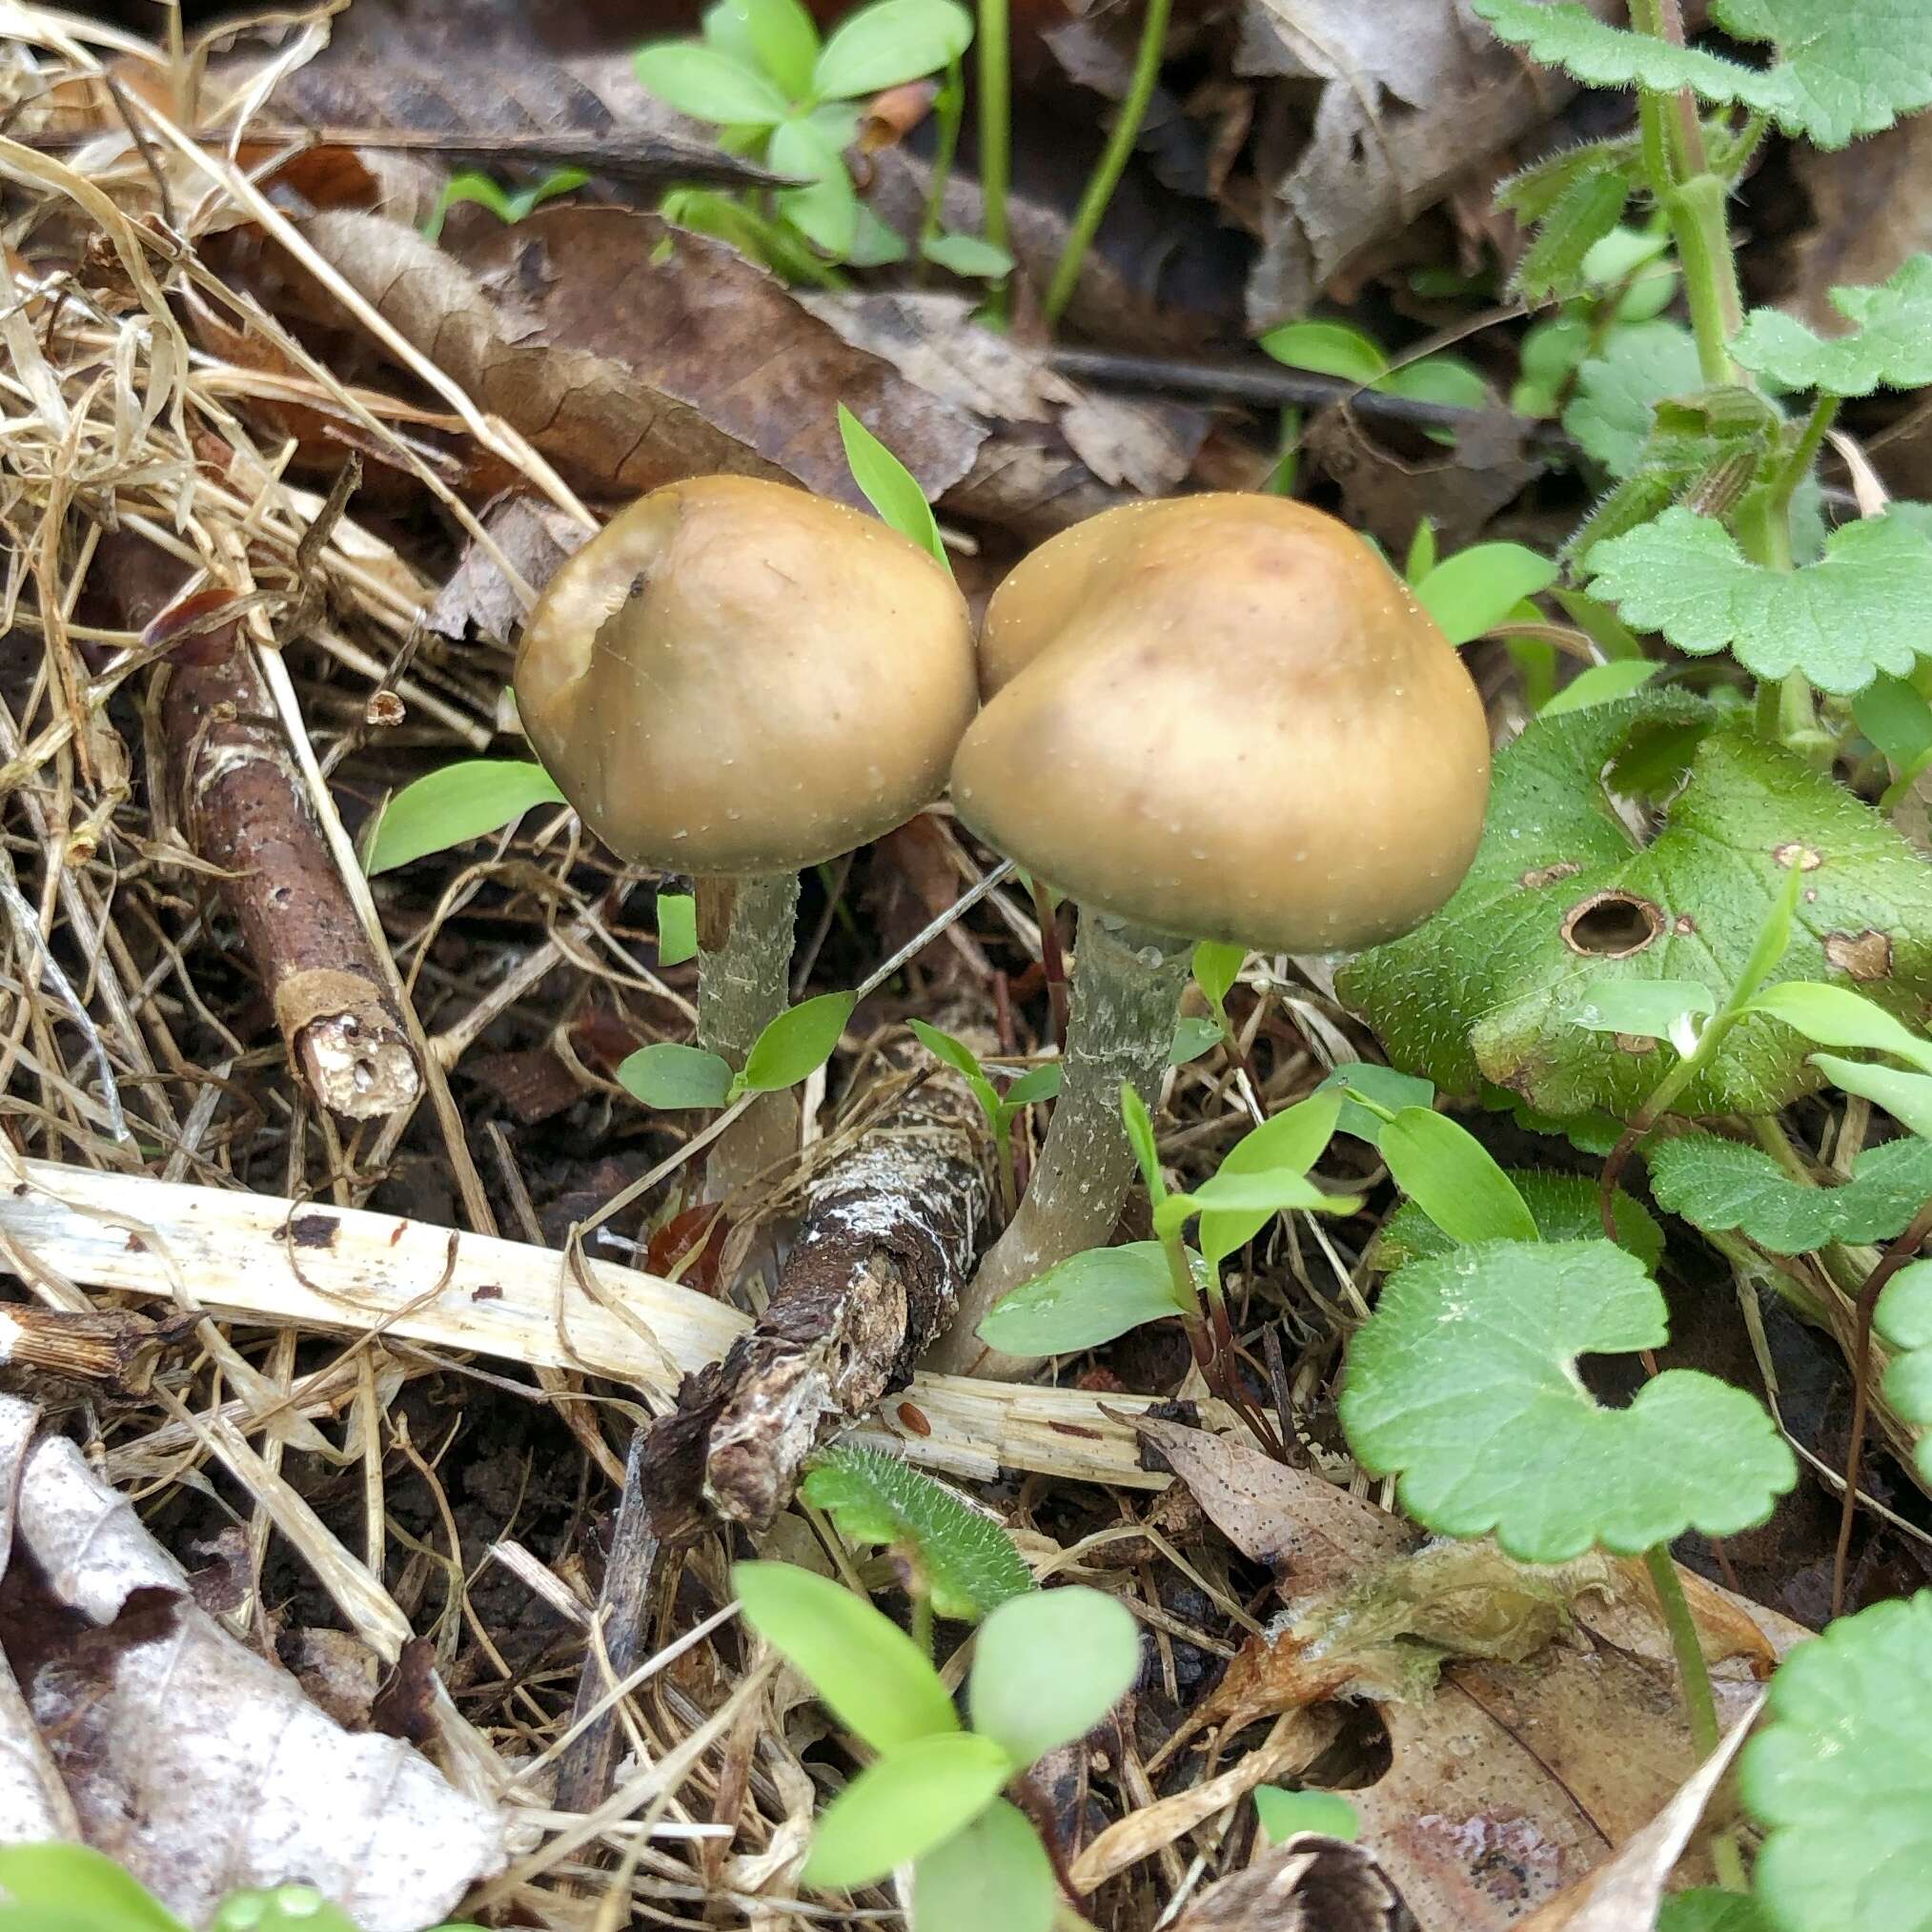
1088,1299
677,928
915,1797
967,1564
867,1671
1421,558
671,1077
1835,1016
1292,1140
1706,1909
1140,1134
1908,1097
1601,684
798,1043
889,486
778,34
1610,414
1580,218
1276,1190
1652,1009
1193,1036
1719,1185
1477,588
1454,1178
1387,1087
956,1053
1839,1776
1892,348
890,42
78,1879
1903,1322
1327,349
1566,1208
1049,1666
1285,1813
449,807
1896,717
993,1873
1042,1083
968,255
709,85
1217,966
827,212
1464,1385
1862,608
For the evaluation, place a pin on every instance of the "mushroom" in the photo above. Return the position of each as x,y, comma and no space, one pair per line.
1219,717
734,680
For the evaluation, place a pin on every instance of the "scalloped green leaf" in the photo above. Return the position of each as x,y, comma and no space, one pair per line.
1617,391
1840,1777
1485,988
1463,1384
967,1562
1892,348
1565,1207
1864,607
1846,67
1720,1185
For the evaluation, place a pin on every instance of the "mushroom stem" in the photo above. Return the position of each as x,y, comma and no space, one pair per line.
745,933
1126,988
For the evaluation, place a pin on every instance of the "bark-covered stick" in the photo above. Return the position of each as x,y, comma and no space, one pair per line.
245,810
890,1231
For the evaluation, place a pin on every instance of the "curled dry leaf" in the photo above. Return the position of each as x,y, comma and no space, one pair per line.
632,353
1553,1730
1415,93
1307,1884
196,1763
533,537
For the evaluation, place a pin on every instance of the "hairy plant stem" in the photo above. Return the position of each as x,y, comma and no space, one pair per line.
1113,159
1126,990
745,931
996,140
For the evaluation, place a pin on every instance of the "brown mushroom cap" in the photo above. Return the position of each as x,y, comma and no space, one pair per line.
734,676
1225,717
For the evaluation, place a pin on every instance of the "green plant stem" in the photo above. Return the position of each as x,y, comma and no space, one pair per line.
921,1620
996,138
1003,1152
948,111
1699,1702
1113,159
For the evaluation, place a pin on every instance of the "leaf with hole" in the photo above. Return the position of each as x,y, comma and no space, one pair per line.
966,1563
1564,892
1049,1666
798,1043
993,1873
1864,607
1463,1384
865,1670
461,802
1088,1299
672,1077
889,486
1564,1207
1475,590
1839,1777
916,1796
1720,1185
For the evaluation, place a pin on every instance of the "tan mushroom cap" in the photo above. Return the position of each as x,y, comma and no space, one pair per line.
1225,717
734,676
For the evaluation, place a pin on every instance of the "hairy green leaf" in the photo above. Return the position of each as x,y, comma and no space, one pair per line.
1563,893
967,1562
1864,608
867,1671
449,807
1719,1185
897,1810
1892,348
1617,392
1087,1299
1049,1666
1564,1207
1463,1384
993,1873
1572,224
1839,1776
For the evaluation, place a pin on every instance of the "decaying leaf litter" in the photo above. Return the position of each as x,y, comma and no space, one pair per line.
349,1274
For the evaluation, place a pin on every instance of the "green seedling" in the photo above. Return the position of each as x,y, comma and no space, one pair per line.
762,76
788,1049
509,204
1048,1666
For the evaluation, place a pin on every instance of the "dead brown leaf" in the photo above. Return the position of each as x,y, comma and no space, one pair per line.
1555,1730
1871,207
1307,1884
196,1763
535,536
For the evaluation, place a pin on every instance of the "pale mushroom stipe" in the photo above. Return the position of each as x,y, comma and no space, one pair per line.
734,680
1219,717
